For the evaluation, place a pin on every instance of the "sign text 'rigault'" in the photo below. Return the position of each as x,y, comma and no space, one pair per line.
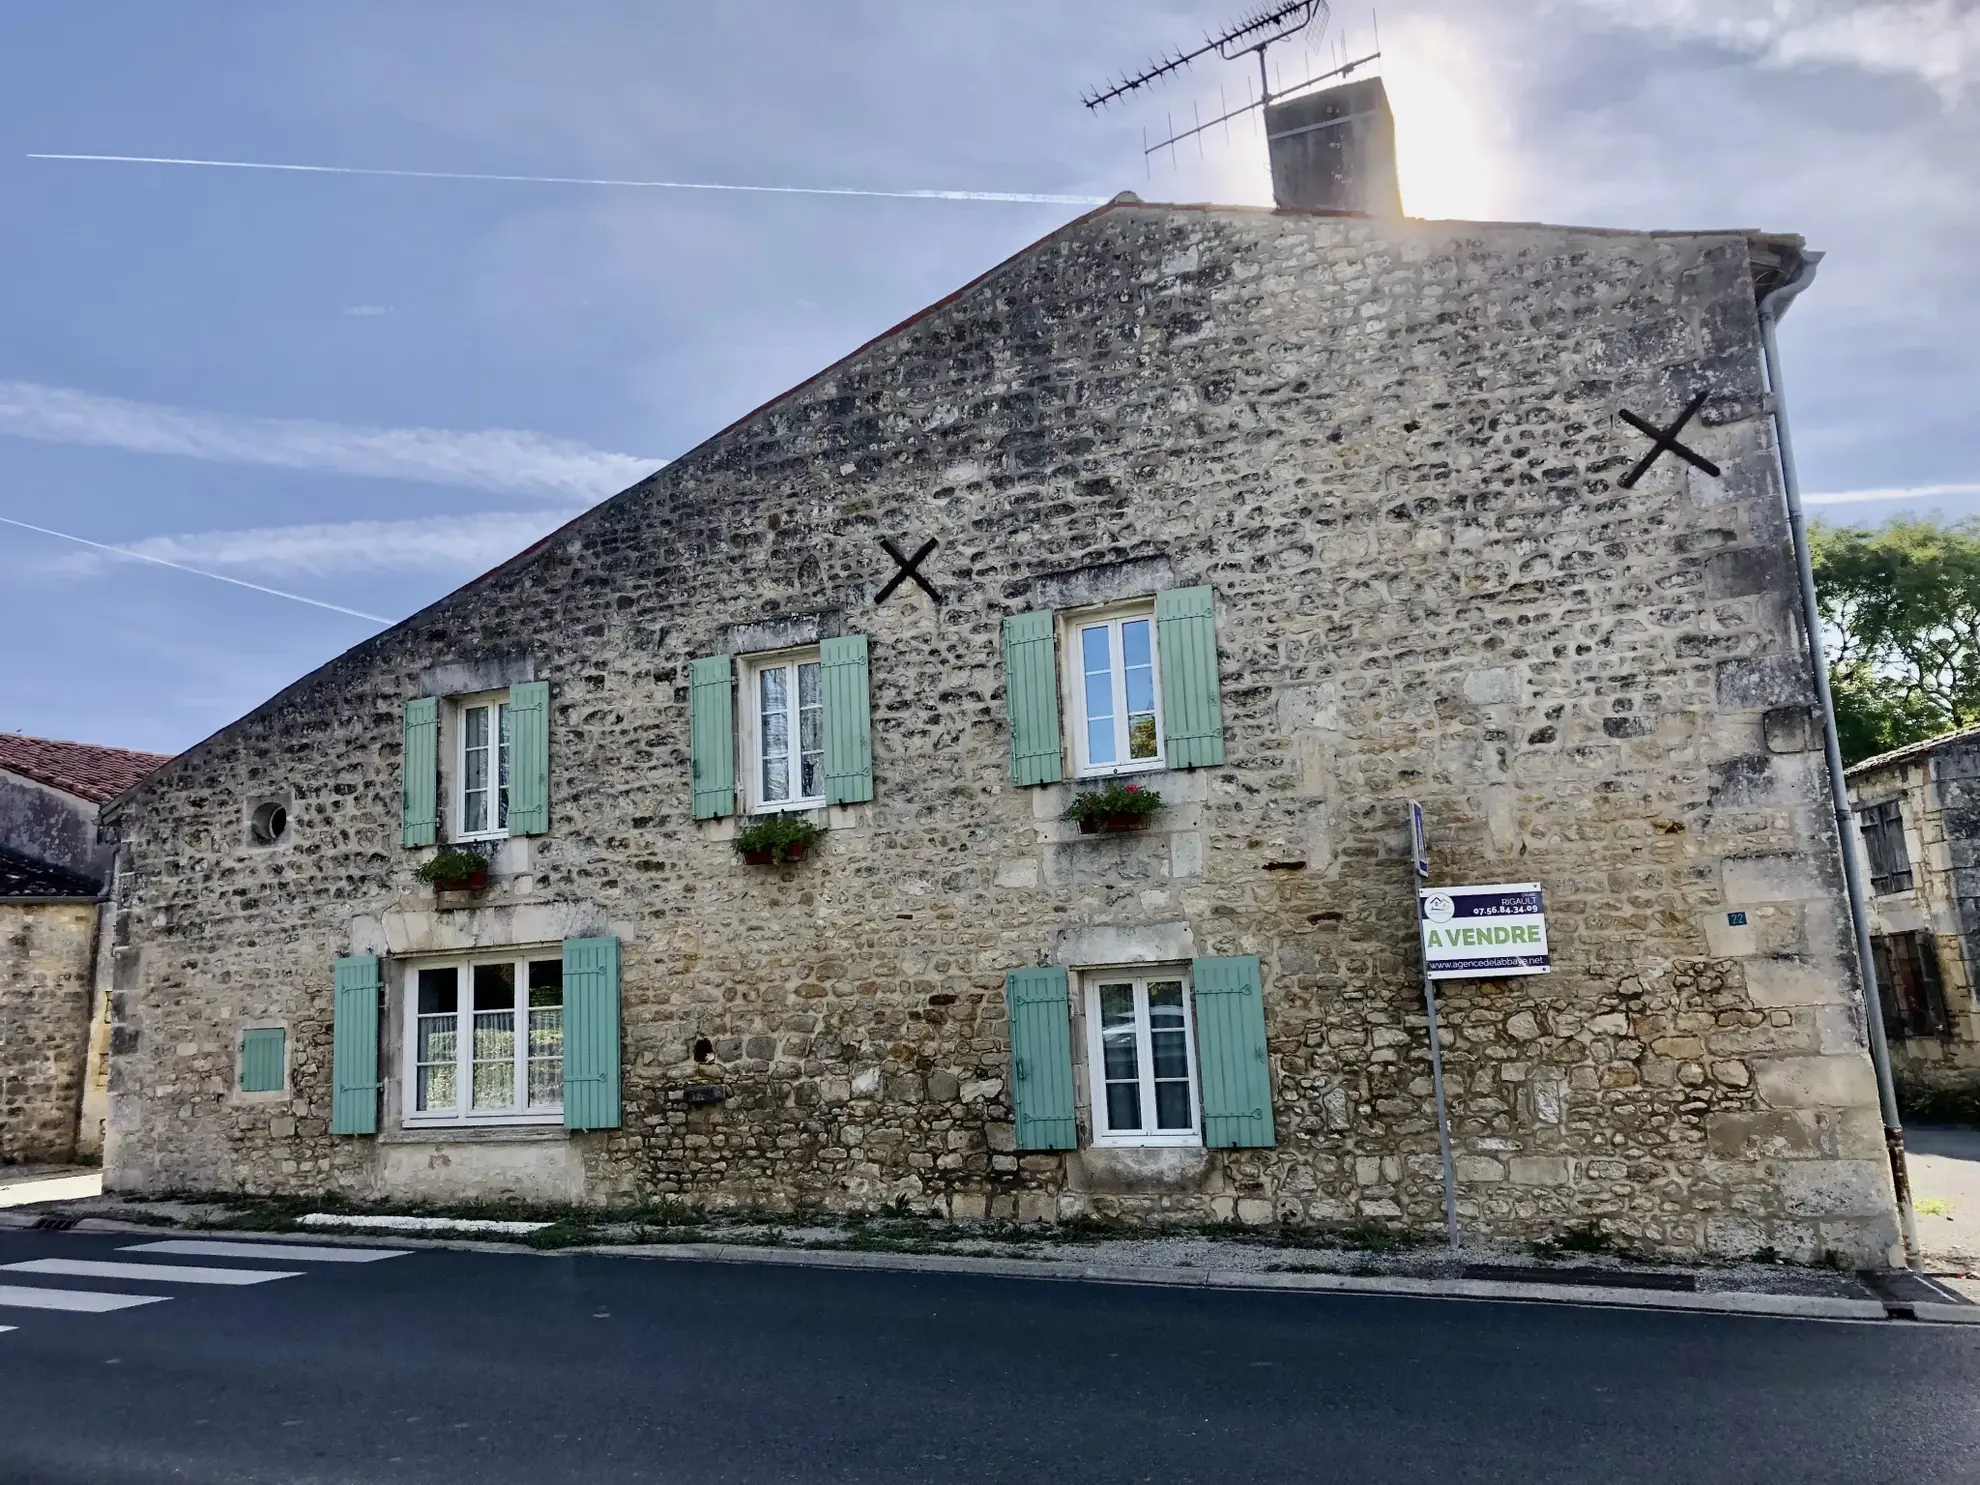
1479,933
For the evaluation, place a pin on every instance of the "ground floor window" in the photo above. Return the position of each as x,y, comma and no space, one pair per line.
1141,1058
486,1041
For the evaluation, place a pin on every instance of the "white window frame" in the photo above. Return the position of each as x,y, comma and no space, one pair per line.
497,703
750,733
1139,976
462,1113
1072,625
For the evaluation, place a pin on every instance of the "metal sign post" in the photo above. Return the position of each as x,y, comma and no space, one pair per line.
1420,867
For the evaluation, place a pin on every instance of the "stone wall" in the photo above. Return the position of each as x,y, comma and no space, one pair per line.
46,955
1939,797
1392,450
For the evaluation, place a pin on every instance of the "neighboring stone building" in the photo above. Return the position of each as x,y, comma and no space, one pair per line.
1918,827
53,873
1296,515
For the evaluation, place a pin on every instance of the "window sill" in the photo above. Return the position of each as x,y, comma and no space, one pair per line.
473,1134
789,807
1148,1142
1120,770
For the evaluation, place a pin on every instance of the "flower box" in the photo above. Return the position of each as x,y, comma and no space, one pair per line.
1108,824
768,856
474,881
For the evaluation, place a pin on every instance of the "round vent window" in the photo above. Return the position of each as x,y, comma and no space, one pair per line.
269,823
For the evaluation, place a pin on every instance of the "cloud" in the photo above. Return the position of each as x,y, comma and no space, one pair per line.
508,460
446,544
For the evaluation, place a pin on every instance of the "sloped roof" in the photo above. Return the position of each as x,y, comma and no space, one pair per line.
22,876
85,770
1911,751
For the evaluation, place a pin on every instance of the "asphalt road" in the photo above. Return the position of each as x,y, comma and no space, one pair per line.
488,1368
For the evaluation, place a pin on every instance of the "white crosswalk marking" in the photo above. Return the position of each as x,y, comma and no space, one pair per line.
13,1296
160,1273
273,1252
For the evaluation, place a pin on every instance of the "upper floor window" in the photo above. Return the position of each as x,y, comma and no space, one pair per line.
1883,841
1116,690
1141,1059
784,745
483,768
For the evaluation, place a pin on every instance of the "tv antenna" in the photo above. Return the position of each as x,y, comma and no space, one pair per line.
1255,33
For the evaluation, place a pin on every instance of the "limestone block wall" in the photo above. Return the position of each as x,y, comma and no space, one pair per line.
1392,449
46,958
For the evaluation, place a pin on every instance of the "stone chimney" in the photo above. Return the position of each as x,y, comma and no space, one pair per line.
1335,149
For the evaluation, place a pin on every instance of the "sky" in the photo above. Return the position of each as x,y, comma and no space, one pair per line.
360,391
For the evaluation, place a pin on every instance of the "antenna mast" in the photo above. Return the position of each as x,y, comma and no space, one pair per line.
1255,33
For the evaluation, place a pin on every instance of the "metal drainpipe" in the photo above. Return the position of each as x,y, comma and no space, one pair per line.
1771,309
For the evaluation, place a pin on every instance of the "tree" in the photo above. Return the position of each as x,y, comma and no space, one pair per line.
1901,607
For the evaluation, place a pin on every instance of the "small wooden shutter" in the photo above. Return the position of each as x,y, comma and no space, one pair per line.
419,807
1192,701
848,722
1031,690
354,1046
1230,1053
591,1033
529,758
1041,1059
261,1059
712,736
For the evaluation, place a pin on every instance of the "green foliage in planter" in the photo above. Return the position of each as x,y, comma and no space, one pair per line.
1111,799
452,865
777,834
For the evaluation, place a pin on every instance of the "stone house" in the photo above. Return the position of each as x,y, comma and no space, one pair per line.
1918,829
1285,516
54,1041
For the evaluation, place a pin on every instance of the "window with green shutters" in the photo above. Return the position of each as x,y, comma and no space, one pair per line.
264,1059
1139,680
419,808
591,1033
1041,1058
354,1045
1231,1053
798,724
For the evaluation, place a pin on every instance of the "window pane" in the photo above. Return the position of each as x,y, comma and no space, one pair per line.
436,1048
494,1059
773,726
1120,1058
494,987
546,1033
1172,1105
1137,653
502,769
546,982
439,991
474,769
811,732
1097,665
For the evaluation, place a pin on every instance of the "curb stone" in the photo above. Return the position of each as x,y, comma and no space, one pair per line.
1736,1302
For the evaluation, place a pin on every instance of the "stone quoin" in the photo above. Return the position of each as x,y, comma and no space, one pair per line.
1292,517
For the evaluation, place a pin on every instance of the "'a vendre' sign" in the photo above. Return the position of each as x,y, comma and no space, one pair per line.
1479,933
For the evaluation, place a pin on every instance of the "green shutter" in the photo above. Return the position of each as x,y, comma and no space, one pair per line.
1192,703
1041,1059
1230,1053
261,1059
354,1046
591,1033
419,807
848,723
712,736
529,758
1031,689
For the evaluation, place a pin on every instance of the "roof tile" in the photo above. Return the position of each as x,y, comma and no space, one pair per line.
82,769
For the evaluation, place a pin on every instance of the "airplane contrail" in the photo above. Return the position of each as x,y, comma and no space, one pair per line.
195,571
1023,197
